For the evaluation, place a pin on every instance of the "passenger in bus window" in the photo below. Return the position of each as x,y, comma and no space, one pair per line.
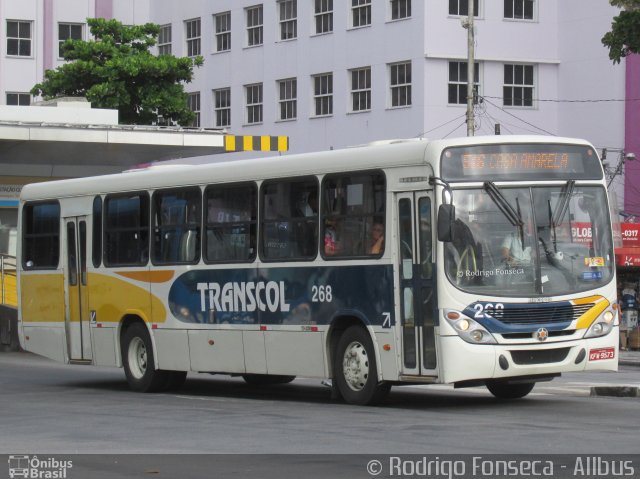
376,244
331,245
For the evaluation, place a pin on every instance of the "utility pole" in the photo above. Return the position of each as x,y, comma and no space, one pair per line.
471,125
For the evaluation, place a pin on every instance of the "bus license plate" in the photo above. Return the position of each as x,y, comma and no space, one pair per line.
603,353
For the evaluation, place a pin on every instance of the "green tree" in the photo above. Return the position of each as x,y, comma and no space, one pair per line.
624,37
116,70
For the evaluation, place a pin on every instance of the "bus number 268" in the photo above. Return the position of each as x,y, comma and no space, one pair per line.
321,294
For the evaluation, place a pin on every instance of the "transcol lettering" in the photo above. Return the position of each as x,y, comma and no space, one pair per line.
243,296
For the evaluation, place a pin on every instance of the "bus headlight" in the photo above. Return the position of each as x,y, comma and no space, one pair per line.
469,330
602,326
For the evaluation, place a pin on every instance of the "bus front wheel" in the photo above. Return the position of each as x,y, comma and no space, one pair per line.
504,390
355,369
138,361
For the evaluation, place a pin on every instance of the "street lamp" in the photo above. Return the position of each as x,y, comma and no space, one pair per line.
628,156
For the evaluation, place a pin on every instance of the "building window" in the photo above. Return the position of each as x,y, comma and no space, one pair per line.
68,31
193,102
164,40
288,99
360,13
18,38
222,23
253,94
518,85
288,19
222,106
254,25
461,7
19,99
193,37
324,16
400,9
323,94
518,9
400,82
458,82
361,89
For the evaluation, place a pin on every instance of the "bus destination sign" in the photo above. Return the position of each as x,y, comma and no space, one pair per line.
513,162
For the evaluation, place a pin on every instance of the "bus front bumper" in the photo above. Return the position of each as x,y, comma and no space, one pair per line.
462,361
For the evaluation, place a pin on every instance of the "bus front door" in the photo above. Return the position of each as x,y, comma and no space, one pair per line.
76,298
417,284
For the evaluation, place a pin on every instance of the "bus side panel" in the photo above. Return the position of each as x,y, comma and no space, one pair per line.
46,341
42,314
214,351
255,358
105,346
172,349
42,298
295,353
388,361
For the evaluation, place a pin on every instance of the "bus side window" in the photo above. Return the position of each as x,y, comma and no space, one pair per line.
176,226
41,235
353,211
126,229
290,219
231,214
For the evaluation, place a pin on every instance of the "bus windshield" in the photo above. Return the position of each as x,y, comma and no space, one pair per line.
530,241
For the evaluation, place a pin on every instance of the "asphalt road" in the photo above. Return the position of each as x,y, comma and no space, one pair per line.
50,408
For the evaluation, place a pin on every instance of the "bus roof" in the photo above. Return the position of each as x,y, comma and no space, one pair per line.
392,153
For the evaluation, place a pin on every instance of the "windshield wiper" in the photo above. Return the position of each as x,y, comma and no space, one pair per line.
514,217
563,204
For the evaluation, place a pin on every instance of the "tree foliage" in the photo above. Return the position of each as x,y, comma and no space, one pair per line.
116,70
624,37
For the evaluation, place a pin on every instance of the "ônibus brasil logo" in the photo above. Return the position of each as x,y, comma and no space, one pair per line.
34,468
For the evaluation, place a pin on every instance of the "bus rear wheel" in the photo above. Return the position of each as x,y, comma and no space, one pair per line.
355,369
139,363
504,390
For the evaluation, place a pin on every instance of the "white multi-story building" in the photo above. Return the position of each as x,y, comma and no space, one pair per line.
333,73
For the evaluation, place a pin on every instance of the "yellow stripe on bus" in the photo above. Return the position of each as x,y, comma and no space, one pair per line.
160,276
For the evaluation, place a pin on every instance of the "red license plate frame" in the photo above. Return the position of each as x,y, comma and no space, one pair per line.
602,354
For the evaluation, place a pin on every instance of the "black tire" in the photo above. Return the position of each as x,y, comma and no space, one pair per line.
175,380
355,370
266,379
138,361
504,390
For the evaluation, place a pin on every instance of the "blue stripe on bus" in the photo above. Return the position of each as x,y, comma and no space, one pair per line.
504,318
8,203
288,296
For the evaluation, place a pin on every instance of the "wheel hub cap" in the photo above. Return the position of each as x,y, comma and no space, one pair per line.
355,366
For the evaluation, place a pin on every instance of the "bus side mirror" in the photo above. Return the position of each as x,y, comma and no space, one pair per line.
446,218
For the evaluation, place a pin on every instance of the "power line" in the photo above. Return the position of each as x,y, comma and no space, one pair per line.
602,100
439,126
518,118
461,124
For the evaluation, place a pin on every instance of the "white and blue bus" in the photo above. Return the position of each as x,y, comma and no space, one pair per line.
473,261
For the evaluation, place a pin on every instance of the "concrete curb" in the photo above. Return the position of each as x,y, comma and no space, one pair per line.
616,391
